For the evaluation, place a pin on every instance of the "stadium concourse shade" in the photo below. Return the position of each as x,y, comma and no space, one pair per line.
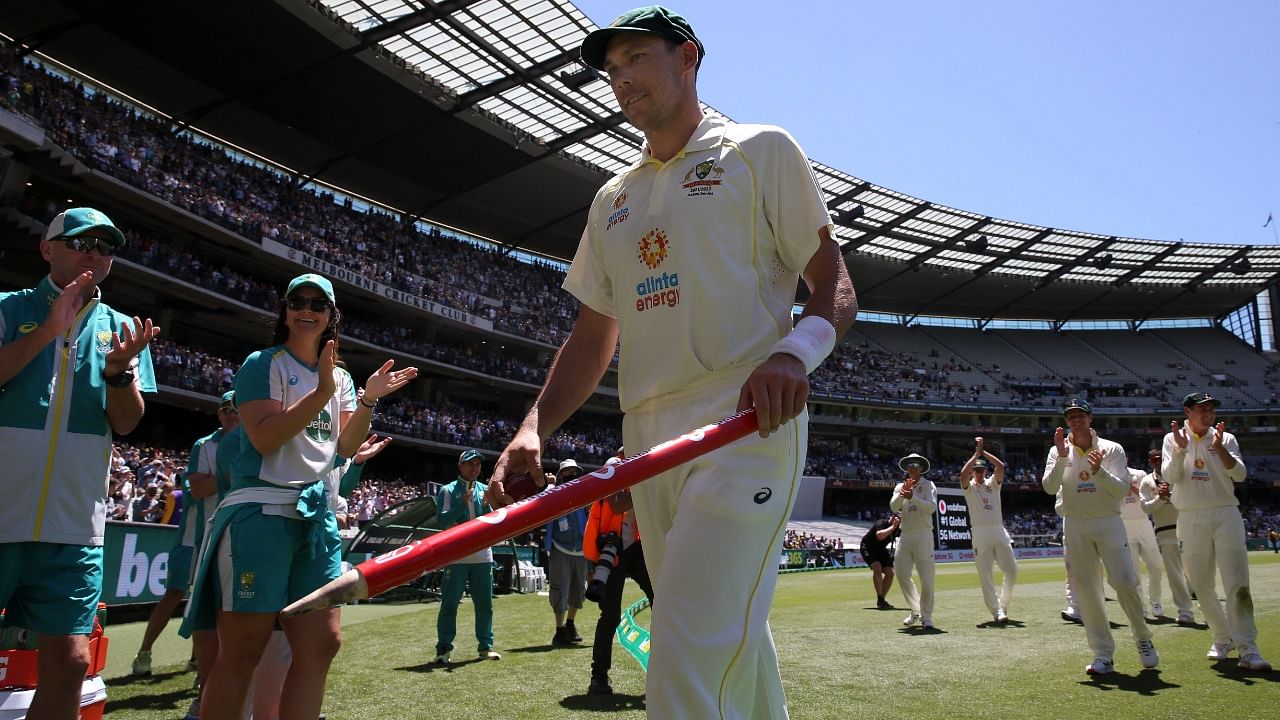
367,92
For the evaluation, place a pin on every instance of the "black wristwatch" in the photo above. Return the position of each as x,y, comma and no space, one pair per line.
124,379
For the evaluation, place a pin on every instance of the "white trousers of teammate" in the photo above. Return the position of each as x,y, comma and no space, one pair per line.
712,531
1142,544
1096,543
915,549
1171,555
1216,536
992,544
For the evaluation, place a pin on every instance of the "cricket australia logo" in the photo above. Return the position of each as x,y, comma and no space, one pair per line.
321,429
246,584
653,248
703,178
104,340
1199,463
620,211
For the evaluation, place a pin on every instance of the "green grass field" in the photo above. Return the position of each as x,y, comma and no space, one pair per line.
840,659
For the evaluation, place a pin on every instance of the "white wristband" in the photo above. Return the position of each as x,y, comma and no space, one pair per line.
810,342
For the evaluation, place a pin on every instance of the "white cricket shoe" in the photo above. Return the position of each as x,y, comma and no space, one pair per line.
1220,651
1147,654
926,623
1002,617
1157,610
1254,661
910,620
1186,618
1070,615
1100,666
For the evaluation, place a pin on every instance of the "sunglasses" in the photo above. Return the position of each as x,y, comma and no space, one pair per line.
105,247
316,304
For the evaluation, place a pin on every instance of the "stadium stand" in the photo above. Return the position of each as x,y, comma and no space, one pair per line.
953,371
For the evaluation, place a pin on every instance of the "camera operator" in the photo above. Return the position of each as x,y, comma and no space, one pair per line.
612,542
877,555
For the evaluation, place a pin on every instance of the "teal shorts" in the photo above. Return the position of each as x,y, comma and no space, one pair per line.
266,562
50,587
180,559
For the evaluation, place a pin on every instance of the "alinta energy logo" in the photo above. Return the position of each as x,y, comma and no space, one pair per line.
321,429
656,291
703,178
620,211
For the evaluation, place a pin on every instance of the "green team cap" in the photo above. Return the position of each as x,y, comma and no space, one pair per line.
312,280
469,455
1196,398
228,399
1077,404
652,19
78,221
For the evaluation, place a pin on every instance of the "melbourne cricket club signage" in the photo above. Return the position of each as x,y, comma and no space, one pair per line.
352,277
951,522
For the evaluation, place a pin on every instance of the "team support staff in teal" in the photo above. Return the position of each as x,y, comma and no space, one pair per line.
458,502
274,538
72,374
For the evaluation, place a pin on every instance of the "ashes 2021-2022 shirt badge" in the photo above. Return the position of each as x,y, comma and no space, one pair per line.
656,291
703,178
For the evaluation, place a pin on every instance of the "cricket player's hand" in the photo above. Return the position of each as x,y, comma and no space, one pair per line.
1163,490
63,311
326,386
522,455
777,389
370,448
1060,441
977,444
1180,434
1215,445
1095,461
126,344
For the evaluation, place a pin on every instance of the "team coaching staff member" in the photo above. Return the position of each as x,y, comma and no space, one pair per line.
690,260
72,374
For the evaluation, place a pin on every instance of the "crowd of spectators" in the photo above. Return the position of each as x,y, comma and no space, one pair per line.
520,298
143,482
797,540
1260,519
261,204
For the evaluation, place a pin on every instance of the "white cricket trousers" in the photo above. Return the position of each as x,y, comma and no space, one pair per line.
1142,544
992,544
712,531
1171,555
915,549
1216,536
1093,544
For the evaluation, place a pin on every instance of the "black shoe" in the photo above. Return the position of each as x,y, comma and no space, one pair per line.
599,685
571,632
883,604
562,637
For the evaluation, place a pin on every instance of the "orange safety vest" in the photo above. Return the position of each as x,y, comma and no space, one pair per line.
601,520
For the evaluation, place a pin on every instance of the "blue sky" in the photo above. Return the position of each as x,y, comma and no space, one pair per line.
1145,119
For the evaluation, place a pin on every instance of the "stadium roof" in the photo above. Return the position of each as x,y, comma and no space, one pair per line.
477,114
